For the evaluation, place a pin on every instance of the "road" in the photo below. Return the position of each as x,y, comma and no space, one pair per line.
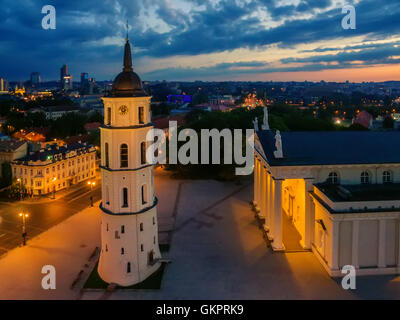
42,216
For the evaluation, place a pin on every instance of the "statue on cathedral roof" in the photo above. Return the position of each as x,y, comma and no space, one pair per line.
278,144
255,122
265,125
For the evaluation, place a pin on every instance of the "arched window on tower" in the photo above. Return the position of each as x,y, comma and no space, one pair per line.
141,115
108,116
128,268
107,157
143,153
144,194
124,155
107,196
125,198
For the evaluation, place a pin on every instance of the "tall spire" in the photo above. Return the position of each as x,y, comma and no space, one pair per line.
127,57
127,53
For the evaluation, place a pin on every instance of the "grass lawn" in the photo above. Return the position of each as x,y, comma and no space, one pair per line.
151,283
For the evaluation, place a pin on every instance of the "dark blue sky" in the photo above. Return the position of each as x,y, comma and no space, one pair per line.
203,39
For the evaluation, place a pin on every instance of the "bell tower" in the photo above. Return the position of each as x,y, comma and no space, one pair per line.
129,231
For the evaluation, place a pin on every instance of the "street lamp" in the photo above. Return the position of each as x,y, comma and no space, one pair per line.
20,188
54,187
24,216
92,184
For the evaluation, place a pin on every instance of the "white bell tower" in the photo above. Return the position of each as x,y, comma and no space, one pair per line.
129,232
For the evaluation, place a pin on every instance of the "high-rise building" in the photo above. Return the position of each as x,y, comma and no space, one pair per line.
63,72
35,78
84,79
2,85
65,78
129,232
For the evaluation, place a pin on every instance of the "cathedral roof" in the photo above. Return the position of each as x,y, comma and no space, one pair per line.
332,147
127,83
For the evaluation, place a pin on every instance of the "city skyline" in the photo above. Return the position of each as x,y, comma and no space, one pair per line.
289,40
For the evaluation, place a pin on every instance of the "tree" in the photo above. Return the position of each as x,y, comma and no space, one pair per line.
95,116
94,138
6,174
388,123
70,124
357,127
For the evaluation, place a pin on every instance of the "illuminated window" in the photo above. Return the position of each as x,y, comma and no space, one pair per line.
365,177
333,178
108,116
141,115
387,177
124,155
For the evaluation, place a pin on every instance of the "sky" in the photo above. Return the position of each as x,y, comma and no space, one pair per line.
209,40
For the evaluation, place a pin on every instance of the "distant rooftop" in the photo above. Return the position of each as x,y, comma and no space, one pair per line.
332,147
355,193
10,145
53,151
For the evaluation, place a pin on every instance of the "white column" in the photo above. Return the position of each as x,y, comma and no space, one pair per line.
271,207
263,192
335,246
382,244
308,215
258,185
355,241
255,181
267,224
278,228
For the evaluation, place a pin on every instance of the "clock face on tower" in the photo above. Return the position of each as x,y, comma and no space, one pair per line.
123,110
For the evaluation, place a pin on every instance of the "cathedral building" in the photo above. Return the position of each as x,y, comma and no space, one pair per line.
340,192
129,232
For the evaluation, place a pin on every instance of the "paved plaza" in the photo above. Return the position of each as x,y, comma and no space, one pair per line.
217,252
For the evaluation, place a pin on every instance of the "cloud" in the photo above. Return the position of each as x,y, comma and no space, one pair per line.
89,35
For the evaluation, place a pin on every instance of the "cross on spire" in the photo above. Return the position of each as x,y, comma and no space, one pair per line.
127,30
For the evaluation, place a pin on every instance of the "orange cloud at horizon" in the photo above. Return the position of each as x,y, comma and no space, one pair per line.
379,73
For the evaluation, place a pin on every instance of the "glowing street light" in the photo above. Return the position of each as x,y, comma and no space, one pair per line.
91,184
20,188
24,216
54,187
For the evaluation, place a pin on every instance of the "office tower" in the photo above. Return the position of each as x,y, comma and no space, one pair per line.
65,78
35,78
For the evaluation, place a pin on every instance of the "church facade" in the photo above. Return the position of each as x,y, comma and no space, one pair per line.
129,232
339,190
